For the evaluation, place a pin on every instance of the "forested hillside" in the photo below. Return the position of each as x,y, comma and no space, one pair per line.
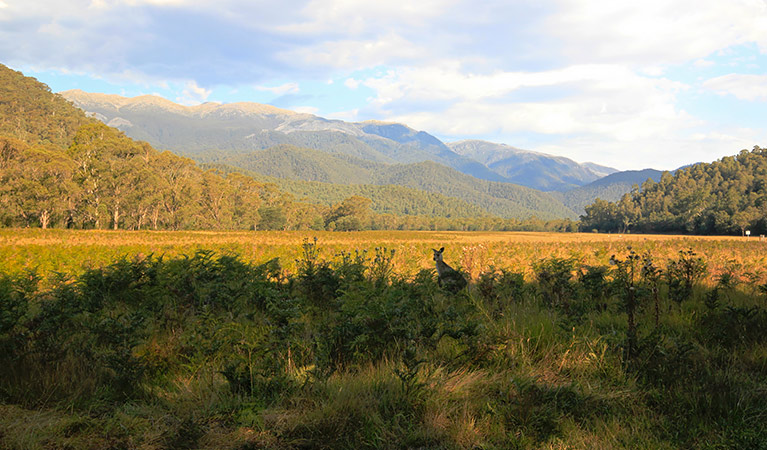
106,180
386,199
610,188
29,111
502,199
728,196
296,164
59,168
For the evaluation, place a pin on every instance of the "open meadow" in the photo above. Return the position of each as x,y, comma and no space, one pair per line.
71,251
278,340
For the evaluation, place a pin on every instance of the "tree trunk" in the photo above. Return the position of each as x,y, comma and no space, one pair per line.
141,218
156,217
45,219
116,217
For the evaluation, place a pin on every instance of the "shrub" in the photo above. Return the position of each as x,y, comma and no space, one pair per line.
683,274
554,279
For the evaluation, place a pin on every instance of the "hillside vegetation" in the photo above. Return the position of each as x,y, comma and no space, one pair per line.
610,188
386,199
60,169
29,112
208,351
727,196
499,199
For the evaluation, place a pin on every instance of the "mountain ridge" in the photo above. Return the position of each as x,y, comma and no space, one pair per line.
528,168
231,133
243,127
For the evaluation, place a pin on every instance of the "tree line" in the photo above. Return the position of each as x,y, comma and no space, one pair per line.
728,196
104,179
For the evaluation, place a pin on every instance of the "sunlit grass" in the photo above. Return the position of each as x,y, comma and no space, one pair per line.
234,358
71,251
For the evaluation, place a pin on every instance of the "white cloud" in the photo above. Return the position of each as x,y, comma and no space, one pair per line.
654,71
352,83
111,4
663,152
703,63
656,31
604,99
193,94
348,116
287,88
743,87
159,2
355,54
354,17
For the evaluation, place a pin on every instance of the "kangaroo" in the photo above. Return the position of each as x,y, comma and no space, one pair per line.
447,277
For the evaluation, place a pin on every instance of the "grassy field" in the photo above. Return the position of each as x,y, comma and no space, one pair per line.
71,251
186,340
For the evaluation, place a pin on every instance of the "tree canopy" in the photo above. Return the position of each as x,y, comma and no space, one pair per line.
728,196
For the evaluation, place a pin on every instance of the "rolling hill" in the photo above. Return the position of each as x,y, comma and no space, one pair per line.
501,199
727,196
610,188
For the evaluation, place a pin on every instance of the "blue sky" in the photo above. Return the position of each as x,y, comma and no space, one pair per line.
657,83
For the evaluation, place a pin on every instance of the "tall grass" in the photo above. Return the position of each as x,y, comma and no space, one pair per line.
337,347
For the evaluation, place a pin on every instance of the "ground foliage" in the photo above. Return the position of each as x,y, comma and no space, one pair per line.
206,350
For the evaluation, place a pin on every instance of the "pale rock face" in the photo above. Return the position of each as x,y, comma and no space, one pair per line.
120,123
90,101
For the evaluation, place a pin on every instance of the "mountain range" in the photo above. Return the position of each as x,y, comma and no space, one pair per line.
287,145
532,169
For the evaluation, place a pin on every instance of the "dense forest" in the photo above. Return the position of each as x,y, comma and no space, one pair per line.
610,188
59,168
288,164
728,196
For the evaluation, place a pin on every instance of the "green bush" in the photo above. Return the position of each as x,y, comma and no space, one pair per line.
346,353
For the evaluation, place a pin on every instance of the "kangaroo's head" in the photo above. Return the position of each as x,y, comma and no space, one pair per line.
438,254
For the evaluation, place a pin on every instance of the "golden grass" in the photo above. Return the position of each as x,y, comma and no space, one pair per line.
71,251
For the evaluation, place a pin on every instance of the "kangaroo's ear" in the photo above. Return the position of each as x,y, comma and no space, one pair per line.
442,249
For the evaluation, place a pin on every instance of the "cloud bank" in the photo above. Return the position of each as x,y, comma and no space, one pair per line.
627,83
